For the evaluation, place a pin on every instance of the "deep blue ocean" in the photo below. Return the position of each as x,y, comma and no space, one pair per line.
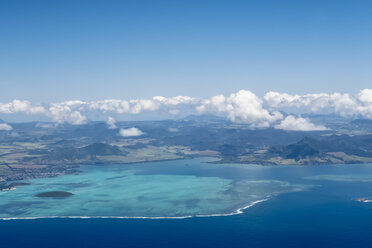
325,216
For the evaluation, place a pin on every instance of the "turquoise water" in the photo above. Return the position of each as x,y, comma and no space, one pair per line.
305,206
144,190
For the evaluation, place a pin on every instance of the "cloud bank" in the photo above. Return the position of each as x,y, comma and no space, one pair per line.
240,107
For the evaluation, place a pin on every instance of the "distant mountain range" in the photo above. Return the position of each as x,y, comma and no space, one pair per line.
36,150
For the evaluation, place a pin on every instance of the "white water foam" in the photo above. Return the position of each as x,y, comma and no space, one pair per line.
235,212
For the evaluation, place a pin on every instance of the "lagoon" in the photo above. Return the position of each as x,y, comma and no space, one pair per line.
304,207
172,189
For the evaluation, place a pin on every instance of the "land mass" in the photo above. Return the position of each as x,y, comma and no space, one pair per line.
32,150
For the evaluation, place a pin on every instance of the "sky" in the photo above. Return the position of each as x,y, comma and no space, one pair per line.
73,61
54,51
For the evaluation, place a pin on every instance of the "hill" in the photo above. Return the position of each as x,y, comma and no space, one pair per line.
86,153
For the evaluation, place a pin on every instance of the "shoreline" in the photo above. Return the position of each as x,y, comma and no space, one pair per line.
79,165
216,160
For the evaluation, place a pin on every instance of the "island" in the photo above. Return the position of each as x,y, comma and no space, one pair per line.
55,194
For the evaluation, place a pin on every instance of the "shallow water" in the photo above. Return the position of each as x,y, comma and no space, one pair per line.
144,190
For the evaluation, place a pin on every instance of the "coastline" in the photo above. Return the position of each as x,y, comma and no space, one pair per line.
214,160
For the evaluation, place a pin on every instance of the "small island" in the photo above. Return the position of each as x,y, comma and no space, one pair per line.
55,194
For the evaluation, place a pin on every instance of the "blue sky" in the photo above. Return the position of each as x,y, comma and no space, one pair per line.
91,50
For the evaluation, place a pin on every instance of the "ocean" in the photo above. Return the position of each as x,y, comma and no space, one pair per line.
312,206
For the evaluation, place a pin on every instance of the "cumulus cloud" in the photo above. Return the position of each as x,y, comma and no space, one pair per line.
292,123
342,104
111,123
138,106
57,112
365,96
5,127
242,107
64,112
130,132
17,106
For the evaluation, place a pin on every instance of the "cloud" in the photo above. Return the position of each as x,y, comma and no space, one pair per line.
175,101
45,125
242,107
365,96
342,104
57,112
111,123
118,106
292,123
138,106
130,132
5,127
17,106
64,112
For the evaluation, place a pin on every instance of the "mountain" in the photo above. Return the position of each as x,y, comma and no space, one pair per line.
86,153
204,118
322,147
363,124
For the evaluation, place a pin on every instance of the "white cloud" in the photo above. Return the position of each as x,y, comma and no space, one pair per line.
5,127
177,100
111,122
118,106
242,107
342,104
130,132
365,96
58,112
63,112
292,123
17,106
